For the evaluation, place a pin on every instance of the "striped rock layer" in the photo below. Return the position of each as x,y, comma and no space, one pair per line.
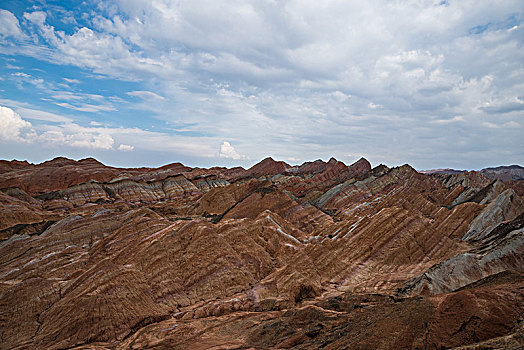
321,255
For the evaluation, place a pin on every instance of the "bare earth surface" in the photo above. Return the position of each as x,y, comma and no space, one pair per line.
317,256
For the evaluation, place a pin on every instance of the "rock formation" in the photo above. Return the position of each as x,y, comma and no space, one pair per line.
320,255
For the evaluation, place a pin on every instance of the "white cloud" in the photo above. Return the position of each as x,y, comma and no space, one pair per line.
390,79
35,114
12,125
125,148
62,131
69,135
228,151
94,140
9,25
14,128
455,119
146,95
54,137
37,17
10,66
73,81
86,107
21,74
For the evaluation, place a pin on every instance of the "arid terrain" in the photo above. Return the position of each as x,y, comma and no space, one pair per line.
318,256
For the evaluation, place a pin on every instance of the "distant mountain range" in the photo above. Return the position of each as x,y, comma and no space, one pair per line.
504,173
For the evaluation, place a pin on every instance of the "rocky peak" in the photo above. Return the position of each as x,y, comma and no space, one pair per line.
57,162
309,168
268,166
175,166
90,160
379,170
360,168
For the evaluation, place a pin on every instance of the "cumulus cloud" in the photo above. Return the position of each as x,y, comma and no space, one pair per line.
12,125
53,137
14,128
94,140
228,151
9,25
68,135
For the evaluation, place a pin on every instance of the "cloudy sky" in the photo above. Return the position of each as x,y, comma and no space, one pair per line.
149,82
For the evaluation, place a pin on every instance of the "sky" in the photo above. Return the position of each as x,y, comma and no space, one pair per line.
149,82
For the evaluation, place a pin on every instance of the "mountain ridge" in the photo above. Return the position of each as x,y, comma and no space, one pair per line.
321,254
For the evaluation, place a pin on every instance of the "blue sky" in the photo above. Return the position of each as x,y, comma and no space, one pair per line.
145,83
